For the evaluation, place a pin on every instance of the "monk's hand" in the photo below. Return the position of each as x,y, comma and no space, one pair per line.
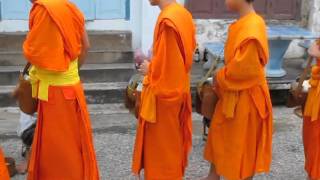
144,67
314,50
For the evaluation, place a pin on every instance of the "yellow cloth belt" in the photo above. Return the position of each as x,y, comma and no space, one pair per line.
42,79
312,108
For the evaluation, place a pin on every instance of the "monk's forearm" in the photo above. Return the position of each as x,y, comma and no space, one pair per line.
85,48
82,57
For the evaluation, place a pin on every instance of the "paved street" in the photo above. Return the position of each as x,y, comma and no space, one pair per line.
114,132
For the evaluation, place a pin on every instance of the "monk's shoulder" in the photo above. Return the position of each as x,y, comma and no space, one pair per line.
176,12
167,24
255,22
179,10
76,11
38,10
176,17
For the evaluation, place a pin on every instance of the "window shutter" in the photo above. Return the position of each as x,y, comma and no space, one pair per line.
87,8
15,9
110,9
221,10
202,9
269,9
261,6
284,9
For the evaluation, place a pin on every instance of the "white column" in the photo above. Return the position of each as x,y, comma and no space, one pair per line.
135,22
149,17
314,20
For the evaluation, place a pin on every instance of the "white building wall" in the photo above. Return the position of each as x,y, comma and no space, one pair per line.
14,26
149,18
133,25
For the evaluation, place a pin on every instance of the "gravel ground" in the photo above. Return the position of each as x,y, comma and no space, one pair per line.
114,140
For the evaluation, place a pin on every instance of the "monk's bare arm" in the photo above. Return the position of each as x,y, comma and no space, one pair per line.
85,48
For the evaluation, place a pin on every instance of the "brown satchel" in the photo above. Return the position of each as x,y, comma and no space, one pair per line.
206,98
296,95
23,93
11,166
132,96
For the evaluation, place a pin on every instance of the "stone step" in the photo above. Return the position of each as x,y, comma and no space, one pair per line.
113,40
16,58
90,73
99,40
109,56
96,93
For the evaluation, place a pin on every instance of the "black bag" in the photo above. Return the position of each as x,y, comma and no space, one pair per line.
27,135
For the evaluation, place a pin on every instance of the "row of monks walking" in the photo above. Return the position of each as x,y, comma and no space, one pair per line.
239,143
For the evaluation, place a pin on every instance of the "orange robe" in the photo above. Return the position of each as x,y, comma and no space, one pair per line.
240,136
164,134
4,175
311,126
63,144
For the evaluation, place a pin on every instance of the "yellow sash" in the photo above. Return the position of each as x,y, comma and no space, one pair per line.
312,108
42,79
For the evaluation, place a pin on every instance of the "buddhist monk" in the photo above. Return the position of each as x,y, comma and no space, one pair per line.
164,134
311,124
56,46
4,175
240,136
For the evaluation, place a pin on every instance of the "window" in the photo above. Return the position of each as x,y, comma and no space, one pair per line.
271,9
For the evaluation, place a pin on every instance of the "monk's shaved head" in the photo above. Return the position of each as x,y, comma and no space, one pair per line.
161,3
236,5
154,2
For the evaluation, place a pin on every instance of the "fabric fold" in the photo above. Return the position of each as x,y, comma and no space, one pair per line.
312,107
164,133
239,142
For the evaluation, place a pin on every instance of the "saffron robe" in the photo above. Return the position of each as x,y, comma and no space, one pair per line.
63,144
240,137
4,175
311,125
164,133
59,39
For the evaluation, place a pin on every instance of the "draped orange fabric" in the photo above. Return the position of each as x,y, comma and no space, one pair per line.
311,125
4,175
164,134
55,39
240,137
63,145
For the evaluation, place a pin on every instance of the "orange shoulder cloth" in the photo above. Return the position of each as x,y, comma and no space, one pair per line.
181,21
55,36
250,27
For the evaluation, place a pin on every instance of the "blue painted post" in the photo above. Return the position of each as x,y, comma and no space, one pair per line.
278,49
128,10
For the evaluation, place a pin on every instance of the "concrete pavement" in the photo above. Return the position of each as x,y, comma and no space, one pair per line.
114,131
